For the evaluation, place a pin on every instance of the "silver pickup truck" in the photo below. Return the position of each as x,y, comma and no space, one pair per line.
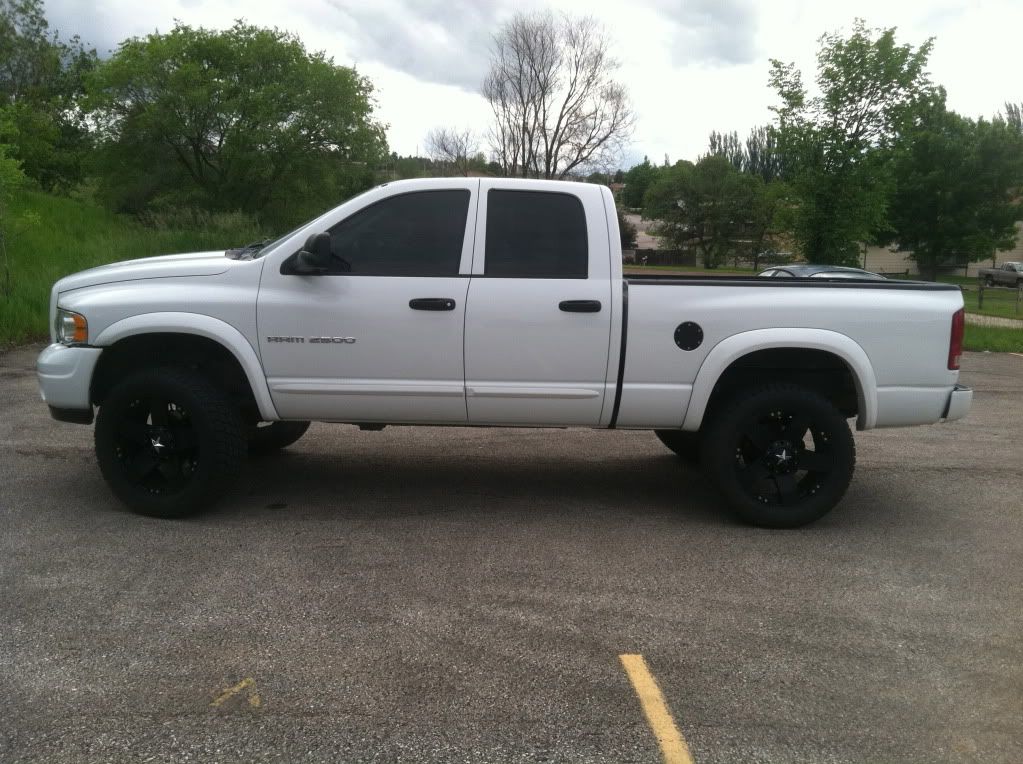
1007,274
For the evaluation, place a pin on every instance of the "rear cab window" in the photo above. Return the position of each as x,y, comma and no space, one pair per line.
535,234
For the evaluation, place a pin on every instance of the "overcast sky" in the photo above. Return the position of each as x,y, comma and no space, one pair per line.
691,66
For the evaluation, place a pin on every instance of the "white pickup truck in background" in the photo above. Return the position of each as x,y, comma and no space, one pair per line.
490,302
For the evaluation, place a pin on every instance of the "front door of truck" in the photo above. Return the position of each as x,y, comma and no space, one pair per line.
378,338
538,315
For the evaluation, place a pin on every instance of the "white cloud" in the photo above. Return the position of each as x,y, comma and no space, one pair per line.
692,66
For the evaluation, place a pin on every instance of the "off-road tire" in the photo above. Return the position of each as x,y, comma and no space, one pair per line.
754,453
268,437
205,449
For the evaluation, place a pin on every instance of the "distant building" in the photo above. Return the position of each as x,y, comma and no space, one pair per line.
883,260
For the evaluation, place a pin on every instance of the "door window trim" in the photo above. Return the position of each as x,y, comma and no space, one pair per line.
486,223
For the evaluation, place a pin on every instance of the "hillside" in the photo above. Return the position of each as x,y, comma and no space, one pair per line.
68,235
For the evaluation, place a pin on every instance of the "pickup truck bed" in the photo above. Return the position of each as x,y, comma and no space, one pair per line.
490,302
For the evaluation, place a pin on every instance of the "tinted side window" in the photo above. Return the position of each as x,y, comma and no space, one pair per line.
534,234
416,234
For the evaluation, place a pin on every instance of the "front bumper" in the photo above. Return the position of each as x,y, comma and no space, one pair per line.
65,377
959,402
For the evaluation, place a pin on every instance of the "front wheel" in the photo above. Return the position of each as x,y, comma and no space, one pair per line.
781,455
169,442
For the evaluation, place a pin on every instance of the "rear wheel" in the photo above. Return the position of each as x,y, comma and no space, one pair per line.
988,281
169,442
685,444
782,455
267,437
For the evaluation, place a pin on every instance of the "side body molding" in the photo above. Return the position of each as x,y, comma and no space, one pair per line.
735,347
203,326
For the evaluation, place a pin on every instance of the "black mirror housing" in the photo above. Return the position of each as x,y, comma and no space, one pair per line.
313,259
319,245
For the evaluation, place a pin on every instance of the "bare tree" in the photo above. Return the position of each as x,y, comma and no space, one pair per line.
557,109
453,147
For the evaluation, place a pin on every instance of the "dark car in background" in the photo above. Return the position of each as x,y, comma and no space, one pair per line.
807,271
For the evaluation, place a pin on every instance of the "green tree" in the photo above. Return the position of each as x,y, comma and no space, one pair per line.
709,206
41,81
729,146
11,177
759,154
627,231
637,181
839,142
957,190
243,118
1014,116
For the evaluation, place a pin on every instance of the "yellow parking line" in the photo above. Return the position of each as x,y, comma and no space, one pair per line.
658,716
230,692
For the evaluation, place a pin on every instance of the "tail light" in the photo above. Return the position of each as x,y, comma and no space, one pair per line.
955,342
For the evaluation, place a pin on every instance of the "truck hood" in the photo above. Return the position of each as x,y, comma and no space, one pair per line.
193,264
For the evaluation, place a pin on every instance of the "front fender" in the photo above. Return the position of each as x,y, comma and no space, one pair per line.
203,326
731,349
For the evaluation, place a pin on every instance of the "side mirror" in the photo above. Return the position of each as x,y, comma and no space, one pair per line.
314,257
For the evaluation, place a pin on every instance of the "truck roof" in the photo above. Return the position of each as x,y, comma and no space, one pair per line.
574,185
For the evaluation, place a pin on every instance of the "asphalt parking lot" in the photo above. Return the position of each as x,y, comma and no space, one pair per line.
461,595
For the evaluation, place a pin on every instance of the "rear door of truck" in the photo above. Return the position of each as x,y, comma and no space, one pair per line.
538,311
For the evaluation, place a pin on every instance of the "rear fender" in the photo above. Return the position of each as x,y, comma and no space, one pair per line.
731,349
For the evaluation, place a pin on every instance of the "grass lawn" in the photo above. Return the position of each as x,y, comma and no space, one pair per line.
997,302
70,235
994,338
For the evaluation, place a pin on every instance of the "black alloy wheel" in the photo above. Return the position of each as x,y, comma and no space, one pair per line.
156,444
169,442
782,455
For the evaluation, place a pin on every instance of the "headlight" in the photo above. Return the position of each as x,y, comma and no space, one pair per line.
72,328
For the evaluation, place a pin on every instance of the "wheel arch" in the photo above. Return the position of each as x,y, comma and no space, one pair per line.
130,334
730,353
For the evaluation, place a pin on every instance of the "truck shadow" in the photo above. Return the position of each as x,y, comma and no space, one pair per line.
393,486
